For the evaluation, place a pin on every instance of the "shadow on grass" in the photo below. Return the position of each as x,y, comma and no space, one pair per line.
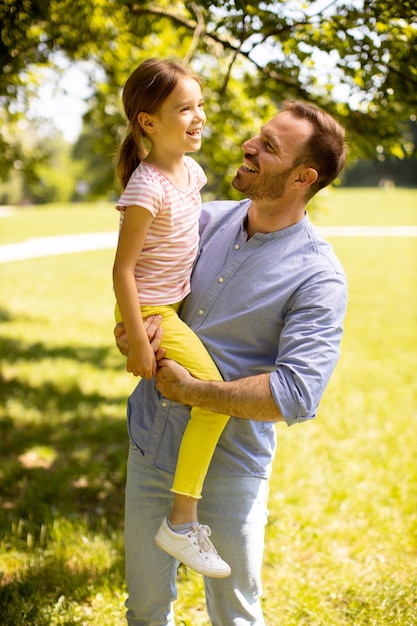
14,350
4,315
63,450
63,455
47,592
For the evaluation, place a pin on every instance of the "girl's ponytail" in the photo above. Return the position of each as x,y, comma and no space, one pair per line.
129,156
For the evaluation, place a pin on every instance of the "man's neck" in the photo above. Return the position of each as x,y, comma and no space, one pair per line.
268,219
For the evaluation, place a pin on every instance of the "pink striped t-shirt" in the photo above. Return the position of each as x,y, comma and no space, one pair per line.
163,268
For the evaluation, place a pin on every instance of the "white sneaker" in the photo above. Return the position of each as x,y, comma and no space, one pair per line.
193,549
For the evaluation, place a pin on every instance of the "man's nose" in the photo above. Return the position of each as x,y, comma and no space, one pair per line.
250,145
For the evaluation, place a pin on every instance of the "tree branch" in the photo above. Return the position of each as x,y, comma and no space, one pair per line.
199,30
183,21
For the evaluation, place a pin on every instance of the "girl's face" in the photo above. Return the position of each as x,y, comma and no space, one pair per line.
179,121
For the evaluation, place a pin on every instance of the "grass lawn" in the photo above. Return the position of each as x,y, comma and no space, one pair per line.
341,543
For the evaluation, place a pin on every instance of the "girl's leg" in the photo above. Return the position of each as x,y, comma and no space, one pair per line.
180,534
205,427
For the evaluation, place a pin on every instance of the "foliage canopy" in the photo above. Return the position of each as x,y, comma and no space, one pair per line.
355,59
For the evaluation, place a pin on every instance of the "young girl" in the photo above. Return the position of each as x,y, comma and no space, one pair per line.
158,240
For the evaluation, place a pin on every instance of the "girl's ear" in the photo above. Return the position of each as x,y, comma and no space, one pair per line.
146,122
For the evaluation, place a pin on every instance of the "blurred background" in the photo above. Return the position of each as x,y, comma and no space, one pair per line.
63,64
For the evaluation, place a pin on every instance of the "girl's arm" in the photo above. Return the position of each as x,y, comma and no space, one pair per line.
136,222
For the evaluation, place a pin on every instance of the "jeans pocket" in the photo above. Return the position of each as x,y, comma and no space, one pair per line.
135,448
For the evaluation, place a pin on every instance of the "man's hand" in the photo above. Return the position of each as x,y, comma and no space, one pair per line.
172,380
122,341
153,330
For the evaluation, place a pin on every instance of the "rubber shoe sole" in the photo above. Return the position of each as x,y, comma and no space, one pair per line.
193,549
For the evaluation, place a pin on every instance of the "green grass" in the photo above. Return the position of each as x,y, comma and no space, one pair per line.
342,535
366,207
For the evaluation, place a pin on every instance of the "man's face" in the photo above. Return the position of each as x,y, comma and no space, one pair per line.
269,157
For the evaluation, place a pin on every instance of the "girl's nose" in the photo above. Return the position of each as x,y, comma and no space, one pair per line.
201,115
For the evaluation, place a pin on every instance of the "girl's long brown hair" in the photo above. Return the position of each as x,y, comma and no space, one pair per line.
145,90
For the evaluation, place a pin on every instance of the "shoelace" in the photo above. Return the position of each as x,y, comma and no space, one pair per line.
202,535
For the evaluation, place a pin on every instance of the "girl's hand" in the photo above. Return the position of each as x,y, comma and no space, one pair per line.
141,360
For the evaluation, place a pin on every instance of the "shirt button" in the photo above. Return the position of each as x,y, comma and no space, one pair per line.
221,280
201,312
237,246
163,404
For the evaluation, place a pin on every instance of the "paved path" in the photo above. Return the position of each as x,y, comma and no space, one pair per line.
68,244
50,246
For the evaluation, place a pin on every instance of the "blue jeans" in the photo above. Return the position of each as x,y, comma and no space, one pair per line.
234,508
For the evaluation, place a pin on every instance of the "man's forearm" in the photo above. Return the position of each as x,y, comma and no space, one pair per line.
247,398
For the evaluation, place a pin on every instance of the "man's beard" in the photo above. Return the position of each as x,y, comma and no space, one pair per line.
269,186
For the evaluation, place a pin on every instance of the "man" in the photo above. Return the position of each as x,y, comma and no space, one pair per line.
268,300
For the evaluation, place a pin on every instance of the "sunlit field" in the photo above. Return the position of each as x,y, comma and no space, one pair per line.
341,542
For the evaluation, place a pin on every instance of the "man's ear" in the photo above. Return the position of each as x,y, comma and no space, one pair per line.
146,122
306,176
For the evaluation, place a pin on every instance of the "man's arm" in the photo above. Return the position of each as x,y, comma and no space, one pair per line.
248,398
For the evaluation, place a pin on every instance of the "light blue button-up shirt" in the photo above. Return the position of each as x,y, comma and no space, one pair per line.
272,303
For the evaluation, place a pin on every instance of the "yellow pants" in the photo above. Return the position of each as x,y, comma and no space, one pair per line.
204,427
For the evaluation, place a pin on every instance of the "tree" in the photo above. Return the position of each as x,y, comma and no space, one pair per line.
356,59
384,170
50,177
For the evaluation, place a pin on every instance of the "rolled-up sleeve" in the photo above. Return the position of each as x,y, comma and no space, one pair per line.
309,345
